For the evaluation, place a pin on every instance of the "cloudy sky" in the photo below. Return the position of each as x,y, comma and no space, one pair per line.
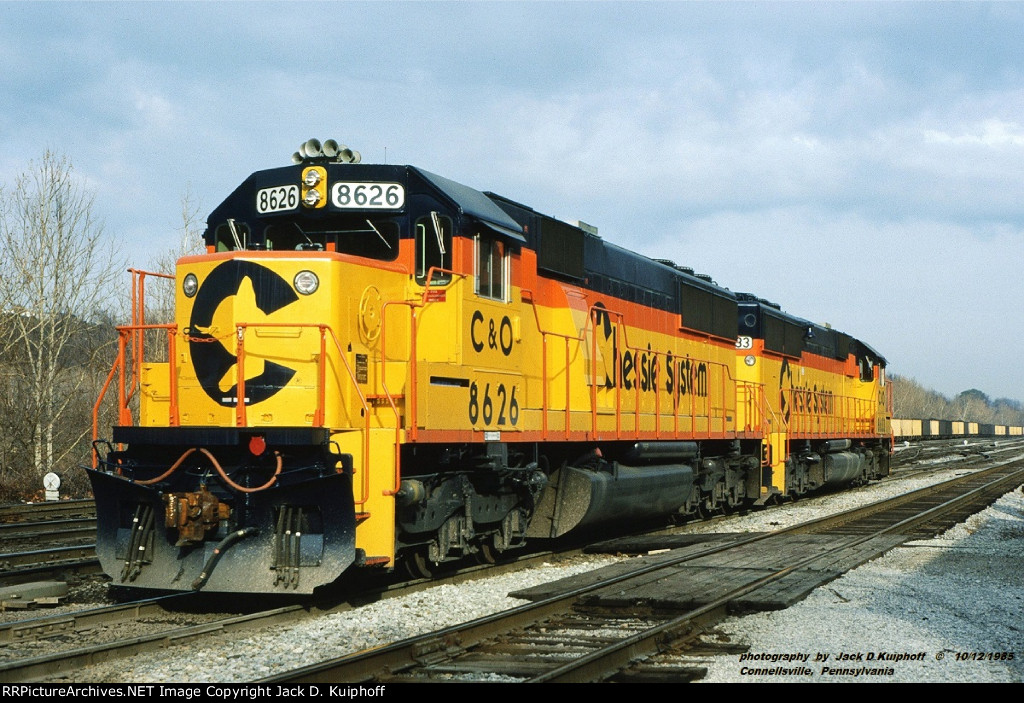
861,164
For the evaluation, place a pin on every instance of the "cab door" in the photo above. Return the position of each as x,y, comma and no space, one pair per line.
492,350
439,385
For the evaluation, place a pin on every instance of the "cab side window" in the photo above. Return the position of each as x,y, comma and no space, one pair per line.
491,267
867,373
433,248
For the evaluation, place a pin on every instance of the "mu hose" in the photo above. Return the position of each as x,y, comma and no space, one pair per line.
218,552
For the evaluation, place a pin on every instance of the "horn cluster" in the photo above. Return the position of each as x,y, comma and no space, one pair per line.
330,150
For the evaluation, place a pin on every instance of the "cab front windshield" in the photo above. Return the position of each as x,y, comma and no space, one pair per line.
369,237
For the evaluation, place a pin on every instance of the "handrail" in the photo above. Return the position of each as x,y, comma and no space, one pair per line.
713,412
384,384
129,380
411,404
118,363
139,317
319,414
844,414
725,372
365,409
545,376
125,395
837,415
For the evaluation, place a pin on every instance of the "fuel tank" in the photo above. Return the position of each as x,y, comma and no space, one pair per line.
841,468
577,497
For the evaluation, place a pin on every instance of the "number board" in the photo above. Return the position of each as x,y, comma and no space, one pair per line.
354,195
277,199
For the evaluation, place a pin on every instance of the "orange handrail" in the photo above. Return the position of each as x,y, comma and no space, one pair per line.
723,373
128,380
713,412
125,395
411,397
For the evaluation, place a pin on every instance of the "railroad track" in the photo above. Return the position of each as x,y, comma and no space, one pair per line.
943,450
47,540
165,627
924,455
51,510
620,627
127,629
169,622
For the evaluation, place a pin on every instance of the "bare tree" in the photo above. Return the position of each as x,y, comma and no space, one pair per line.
190,243
914,401
56,276
160,291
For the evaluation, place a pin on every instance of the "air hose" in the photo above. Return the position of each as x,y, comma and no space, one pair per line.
218,552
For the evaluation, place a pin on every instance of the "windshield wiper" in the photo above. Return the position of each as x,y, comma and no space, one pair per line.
378,234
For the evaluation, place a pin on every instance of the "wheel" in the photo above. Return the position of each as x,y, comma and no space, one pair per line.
733,500
708,507
692,507
799,488
417,565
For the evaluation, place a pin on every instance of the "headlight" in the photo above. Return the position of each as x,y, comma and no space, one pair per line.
306,282
190,285
312,178
749,360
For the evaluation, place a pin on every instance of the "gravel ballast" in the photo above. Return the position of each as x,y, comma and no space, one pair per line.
949,609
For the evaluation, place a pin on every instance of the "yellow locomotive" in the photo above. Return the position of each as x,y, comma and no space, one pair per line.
374,365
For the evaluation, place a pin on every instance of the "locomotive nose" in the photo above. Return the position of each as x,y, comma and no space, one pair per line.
262,341
236,295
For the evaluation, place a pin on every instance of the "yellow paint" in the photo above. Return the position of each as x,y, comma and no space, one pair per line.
155,395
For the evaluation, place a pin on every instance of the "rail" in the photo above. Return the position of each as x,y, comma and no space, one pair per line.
826,414
700,406
136,332
128,377
681,414
139,316
429,292
131,354
804,413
